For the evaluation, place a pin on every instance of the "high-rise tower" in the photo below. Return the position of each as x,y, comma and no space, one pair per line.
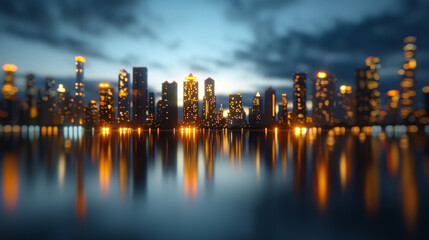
209,104
107,104
123,97
323,99
190,100
299,111
78,117
270,107
139,94
408,82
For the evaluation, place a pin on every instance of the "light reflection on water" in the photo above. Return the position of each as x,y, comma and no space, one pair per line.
215,183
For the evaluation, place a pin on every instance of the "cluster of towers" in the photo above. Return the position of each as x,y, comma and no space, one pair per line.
135,106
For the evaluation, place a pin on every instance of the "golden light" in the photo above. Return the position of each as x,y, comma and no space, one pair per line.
393,93
343,88
426,89
104,85
321,74
10,68
190,77
412,64
79,59
61,88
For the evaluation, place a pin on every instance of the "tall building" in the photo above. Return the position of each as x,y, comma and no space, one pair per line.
139,94
362,96
151,109
123,97
392,107
91,114
255,115
168,105
107,104
299,111
408,82
30,105
190,100
344,113
270,107
374,94
220,119
80,92
426,92
283,113
9,91
236,115
209,104
323,99
62,104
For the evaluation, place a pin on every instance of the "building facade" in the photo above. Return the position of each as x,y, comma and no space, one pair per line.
209,104
190,101
299,110
139,95
123,97
107,104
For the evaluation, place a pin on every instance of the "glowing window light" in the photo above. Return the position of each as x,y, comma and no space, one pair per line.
10,68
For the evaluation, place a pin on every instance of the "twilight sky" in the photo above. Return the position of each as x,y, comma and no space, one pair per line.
245,45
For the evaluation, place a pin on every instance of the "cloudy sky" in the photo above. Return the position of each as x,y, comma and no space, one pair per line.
245,45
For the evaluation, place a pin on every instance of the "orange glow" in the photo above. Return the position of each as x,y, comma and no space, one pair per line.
80,59
392,93
10,181
104,85
322,184
190,77
80,204
321,74
426,89
61,88
10,68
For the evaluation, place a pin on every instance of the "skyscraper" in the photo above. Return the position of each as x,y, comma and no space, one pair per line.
299,111
323,99
91,114
374,94
151,111
48,103
123,97
392,107
408,82
236,115
80,91
362,96
168,103
62,104
255,116
9,91
344,113
190,101
283,113
209,104
107,104
270,107
220,119
139,94
30,105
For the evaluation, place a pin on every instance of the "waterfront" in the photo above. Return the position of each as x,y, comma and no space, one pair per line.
214,184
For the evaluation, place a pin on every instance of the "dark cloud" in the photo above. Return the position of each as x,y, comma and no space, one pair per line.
66,23
344,47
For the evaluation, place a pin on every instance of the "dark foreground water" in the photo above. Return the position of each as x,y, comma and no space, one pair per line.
212,185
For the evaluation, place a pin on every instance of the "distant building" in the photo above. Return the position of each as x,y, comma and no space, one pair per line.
255,115
9,91
139,94
373,87
30,105
269,116
209,104
151,109
48,113
220,119
299,111
91,114
344,112
283,113
408,82
236,115
426,92
323,99
190,101
107,104
80,92
362,96
123,97
168,104
62,104
392,107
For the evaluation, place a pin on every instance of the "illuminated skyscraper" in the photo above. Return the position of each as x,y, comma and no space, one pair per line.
123,97
270,107
48,104
151,107
220,119
9,91
62,103
362,96
168,103
30,105
107,104
408,83
299,111
255,116
344,109
209,104
392,107
283,113
190,100
236,115
91,114
323,99
139,94
80,91
374,94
